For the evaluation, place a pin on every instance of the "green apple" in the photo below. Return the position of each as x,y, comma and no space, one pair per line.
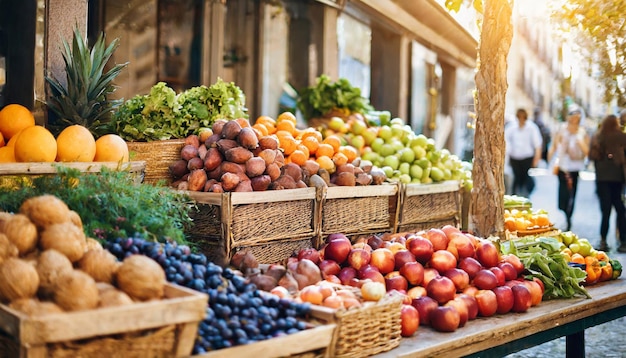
416,171
416,181
386,150
357,127
388,171
384,117
420,140
419,151
405,178
397,120
369,135
397,130
385,133
406,155
423,162
396,144
436,174
427,180
391,161
377,144
404,168
425,173
336,123
371,156
447,174
357,141
430,144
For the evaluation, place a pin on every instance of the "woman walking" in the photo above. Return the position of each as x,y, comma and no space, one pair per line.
607,153
571,146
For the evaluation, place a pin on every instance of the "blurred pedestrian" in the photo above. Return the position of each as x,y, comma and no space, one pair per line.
607,153
523,149
569,147
546,136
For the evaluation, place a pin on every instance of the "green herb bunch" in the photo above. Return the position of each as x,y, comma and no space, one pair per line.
317,101
162,114
110,203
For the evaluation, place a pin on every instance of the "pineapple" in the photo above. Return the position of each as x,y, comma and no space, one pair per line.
83,99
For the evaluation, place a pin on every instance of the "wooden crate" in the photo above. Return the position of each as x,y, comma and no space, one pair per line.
158,156
311,342
361,332
270,224
20,174
159,328
358,210
425,206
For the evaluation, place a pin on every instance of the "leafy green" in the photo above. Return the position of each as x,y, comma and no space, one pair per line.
318,100
110,203
543,259
162,114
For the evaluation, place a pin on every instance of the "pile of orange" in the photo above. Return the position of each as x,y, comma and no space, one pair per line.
21,140
301,145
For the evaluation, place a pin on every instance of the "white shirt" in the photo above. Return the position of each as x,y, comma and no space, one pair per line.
521,142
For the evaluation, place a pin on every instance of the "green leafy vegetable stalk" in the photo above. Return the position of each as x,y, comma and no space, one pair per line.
162,114
110,203
543,259
319,100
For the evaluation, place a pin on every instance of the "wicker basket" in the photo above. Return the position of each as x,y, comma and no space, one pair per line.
434,205
269,224
162,328
16,175
158,156
358,210
361,332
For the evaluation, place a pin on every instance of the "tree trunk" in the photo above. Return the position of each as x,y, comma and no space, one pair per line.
487,212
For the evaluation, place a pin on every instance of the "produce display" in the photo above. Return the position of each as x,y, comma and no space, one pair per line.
238,313
527,220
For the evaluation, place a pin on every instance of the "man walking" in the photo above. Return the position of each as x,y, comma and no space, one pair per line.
523,148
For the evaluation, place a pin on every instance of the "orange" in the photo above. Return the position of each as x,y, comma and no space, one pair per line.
339,159
35,144
349,151
14,118
111,148
333,140
268,122
311,143
325,150
298,157
75,144
288,144
301,147
286,116
287,126
243,122
312,132
326,163
7,155
11,142
2,143
260,129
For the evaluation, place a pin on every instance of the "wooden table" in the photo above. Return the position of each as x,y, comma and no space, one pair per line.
500,335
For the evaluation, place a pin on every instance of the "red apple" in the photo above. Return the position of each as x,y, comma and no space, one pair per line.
451,229
383,260
487,302
358,258
413,272
459,277
487,253
442,260
334,279
355,282
332,237
417,291
462,244
470,302
311,254
515,261
535,291
338,249
429,274
504,296
510,273
362,245
541,285
485,280
470,265
445,319
522,298
424,305
374,241
329,267
499,275
421,248
395,281
401,257
470,290
410,320
371,274
346,274
438,238
441,288
461,307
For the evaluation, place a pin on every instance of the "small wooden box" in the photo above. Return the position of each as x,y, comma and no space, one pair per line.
159,328
270,224
358,210
424,206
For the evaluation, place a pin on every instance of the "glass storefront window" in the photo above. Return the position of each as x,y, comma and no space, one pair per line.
354,39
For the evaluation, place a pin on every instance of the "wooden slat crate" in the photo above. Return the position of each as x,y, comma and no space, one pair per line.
158,156
159,328
270,224
311,342
358,210
425,206
19,174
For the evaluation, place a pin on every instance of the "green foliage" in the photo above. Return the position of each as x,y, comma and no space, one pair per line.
83,99
162,114
600,34
316,101
110,203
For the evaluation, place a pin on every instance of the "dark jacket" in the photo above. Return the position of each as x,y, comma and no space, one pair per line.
608,156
